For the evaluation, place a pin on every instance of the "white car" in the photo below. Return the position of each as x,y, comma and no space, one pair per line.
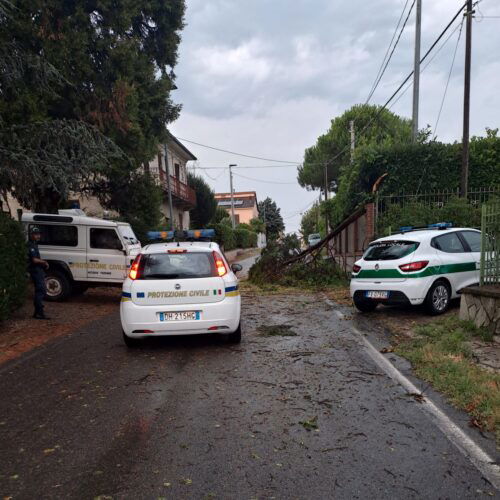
313,239
183,288
428,266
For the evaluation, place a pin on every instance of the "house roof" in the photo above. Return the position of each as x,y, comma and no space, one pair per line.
183,148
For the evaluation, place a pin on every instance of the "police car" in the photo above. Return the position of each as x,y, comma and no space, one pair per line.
181,288
419,265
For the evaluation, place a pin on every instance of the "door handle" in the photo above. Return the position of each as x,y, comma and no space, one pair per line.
94,260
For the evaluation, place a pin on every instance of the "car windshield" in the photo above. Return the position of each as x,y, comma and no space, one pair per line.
314,237
167,266
390,250
128,235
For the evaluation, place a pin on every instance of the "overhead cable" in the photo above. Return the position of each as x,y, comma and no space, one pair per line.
384,66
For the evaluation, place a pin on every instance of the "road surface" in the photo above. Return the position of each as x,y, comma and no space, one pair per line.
298,410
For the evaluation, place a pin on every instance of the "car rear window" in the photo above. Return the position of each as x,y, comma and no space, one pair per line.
390,250
165,266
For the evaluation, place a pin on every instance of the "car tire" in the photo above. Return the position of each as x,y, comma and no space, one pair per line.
235,337
365,305
58,286
130,342
438,299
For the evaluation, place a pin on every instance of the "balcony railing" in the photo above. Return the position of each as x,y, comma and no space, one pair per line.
182,194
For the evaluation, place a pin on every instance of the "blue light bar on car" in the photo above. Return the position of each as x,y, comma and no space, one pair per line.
440,225
405,229
191,234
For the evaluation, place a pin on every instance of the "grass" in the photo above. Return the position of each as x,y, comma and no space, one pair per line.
441,355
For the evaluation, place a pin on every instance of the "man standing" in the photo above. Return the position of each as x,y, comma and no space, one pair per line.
36,268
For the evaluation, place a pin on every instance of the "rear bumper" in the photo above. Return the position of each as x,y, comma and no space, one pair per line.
410,291
224,315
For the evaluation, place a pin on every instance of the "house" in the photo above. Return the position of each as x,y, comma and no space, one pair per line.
183,197
245,205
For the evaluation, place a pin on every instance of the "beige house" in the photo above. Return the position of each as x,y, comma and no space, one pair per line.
245,205
183,197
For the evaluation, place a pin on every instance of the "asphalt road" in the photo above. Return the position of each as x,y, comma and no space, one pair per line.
308,416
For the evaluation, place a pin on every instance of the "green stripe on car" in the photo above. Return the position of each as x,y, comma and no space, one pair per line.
428,271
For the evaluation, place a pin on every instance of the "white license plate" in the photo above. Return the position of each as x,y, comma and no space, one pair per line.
180,316
375,294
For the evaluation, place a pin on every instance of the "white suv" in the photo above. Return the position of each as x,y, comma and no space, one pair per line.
82,251
428,266
183,288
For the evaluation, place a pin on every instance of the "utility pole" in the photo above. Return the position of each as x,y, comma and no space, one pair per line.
233,222
169,189
464,178
353,139
416,70
326,197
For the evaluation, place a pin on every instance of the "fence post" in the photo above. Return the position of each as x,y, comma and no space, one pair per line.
484,210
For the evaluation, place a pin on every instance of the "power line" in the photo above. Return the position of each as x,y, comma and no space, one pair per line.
426,65
449,77
395,93
387,52
235,153
264,181
377,81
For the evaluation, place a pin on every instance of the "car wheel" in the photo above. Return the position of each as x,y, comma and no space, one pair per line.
130,342
57,285
438,298
235,337
365,305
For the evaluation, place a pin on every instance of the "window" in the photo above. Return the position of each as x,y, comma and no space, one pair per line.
390,250
177,266
473,239
105,239
177,171
449,243
57,235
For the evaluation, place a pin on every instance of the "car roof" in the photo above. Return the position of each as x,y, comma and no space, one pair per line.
66,219
194,246
423,235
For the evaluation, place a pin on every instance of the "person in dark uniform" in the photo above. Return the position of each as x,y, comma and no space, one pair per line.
36,268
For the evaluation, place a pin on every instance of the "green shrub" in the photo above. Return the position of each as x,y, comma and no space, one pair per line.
224,236
13,269
457,210
245,238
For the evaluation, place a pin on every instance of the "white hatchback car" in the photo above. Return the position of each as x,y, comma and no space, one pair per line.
428,266
183,288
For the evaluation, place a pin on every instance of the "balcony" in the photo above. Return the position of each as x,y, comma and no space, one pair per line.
182,195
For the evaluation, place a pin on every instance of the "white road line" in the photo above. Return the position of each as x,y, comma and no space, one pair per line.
481,460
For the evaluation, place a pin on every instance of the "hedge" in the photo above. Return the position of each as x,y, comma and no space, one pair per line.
230,239
13,269
412,168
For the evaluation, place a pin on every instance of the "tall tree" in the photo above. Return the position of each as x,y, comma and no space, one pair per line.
270,214
206,204
114,62
373,126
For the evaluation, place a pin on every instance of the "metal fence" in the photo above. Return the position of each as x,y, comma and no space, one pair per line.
490,243
436,198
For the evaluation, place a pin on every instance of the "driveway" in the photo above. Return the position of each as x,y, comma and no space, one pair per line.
298,410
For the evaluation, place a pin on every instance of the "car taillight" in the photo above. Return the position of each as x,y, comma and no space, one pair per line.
414,266
134,268
177,250
356,269
219,264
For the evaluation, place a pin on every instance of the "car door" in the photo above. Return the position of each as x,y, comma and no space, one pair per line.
472,241
455,261
105,255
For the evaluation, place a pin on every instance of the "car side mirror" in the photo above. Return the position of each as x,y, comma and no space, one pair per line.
236,268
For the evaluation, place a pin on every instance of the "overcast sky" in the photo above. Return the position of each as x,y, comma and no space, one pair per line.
265,77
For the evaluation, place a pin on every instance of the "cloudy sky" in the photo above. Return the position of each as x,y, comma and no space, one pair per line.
265,77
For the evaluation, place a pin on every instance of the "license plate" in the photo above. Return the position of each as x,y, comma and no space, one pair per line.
375,294
180,316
